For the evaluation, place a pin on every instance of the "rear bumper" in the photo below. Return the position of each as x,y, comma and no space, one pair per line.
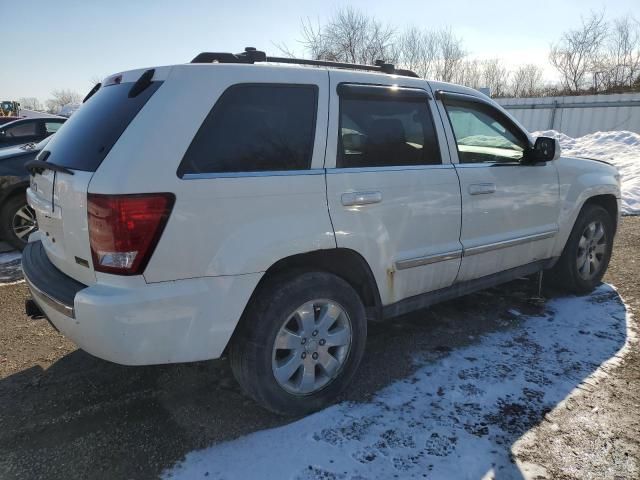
167,322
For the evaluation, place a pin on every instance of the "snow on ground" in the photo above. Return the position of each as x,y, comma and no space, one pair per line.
10,270
621,148
457,417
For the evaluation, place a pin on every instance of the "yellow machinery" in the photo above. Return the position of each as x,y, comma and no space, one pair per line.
9,108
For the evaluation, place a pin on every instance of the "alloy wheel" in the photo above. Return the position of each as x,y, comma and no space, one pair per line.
311,347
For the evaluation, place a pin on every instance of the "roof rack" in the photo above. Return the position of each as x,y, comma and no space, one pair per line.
251,55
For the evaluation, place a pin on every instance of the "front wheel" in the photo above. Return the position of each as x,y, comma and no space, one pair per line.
299,343
586,255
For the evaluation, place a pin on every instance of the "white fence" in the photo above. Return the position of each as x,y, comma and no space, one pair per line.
577,116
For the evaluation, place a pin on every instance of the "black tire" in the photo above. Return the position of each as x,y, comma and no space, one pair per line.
565,274
251,350
7,213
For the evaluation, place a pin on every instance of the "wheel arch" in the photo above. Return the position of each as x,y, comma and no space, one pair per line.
342,262
12,190
607,201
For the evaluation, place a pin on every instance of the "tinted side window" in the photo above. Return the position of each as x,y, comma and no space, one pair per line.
255,128
379,132
482,135
23,130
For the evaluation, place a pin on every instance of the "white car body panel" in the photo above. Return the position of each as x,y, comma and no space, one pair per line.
63,224
524,204
579,180
399,230
226,231
236,224
168,322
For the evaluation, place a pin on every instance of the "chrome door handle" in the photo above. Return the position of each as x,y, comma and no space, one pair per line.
482,188
360,198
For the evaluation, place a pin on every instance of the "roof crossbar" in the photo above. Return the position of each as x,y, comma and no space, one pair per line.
251,55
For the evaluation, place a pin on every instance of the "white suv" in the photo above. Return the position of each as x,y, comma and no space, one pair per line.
237,204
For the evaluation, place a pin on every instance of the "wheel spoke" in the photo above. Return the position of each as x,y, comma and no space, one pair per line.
21,232
338,337
328,316
285,371
24,214
328,363
582,244
601,249
599,232
308,380
287,340
591,230
306,319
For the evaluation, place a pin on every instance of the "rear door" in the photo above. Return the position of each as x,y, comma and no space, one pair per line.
393,195
81,144
510,207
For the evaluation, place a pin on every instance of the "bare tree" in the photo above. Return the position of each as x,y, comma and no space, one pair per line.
60,98
576,53
469,74
619,63
526,81
417,50
30,103
495,77
349,36
450,56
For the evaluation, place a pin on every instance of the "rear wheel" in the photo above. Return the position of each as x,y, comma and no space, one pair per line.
299,343
17,221
586,255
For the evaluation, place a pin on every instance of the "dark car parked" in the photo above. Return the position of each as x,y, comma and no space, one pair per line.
17,219
28,130
4,120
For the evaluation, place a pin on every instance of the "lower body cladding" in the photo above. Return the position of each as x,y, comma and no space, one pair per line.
169,322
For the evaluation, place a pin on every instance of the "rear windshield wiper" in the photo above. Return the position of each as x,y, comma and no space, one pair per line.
38,166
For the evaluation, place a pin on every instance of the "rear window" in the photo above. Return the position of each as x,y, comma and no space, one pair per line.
84,140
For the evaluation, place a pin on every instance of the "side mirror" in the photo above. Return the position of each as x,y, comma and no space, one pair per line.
546,149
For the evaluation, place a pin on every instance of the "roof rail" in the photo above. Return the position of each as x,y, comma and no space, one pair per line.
251,55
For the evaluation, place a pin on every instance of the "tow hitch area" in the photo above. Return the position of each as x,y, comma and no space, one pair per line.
32,309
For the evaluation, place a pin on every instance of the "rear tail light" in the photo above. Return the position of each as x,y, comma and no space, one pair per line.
124,230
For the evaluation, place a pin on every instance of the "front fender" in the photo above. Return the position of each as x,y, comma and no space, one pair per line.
579,180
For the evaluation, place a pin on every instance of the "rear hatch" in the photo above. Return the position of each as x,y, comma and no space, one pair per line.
80,146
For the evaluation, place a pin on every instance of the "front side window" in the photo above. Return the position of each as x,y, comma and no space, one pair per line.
380,132
481,135
255,128
26,129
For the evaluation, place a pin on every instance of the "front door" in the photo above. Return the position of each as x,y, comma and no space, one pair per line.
393,195
510,207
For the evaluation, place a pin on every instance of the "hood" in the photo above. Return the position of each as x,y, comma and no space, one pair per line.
593,160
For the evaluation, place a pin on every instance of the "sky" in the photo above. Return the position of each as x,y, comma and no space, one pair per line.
49,45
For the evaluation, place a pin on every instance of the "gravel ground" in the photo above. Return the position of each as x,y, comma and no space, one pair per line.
65,414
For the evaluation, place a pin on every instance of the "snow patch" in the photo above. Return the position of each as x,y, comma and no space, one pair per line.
457,417
10,268
620,148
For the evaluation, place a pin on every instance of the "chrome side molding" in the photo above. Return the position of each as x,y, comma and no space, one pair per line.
508,243
428,259
456,254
